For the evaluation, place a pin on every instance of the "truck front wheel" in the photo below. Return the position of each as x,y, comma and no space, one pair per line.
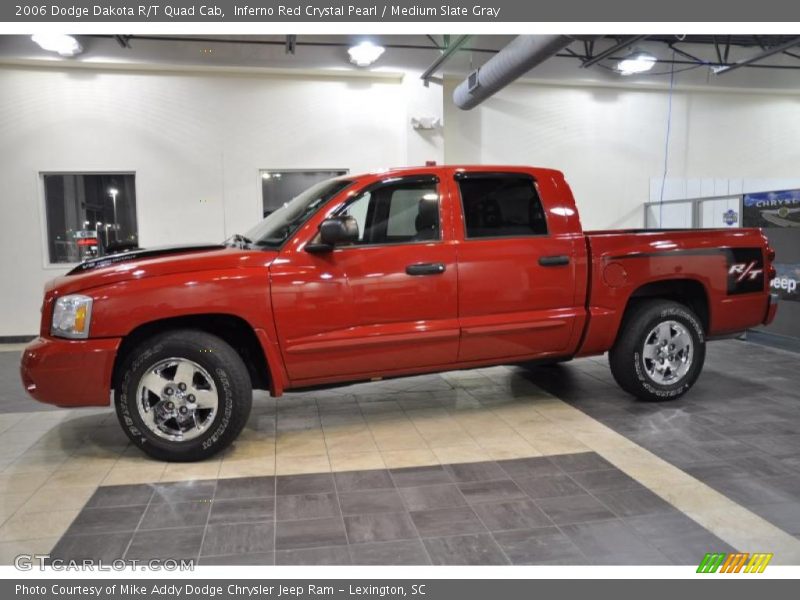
659,352
183,396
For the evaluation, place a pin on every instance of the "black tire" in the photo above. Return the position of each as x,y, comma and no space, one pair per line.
229,374
627,360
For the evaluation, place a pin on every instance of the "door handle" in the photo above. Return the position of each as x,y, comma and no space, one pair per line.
425,269
554,261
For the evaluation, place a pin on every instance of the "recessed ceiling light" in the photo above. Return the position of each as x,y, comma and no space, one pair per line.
638,62
64,45
365,53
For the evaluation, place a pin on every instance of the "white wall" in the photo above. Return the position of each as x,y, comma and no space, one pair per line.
610,142
196,143
197,140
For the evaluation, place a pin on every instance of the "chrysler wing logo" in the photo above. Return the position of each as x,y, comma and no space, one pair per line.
736,562
745,270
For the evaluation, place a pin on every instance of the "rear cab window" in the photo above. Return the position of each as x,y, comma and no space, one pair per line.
497,205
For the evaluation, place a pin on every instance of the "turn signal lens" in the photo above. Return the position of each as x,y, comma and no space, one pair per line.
72,317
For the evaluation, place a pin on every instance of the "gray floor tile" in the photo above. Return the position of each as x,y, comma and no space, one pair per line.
475,549
574,509
311,533
371,501
545,545
418,476
518,514
254,559
105,547
333,555
633,503
612,543
524,468
439,522
609,480
106,520
120,495
690,548
183,491
785,515
245,487
238,538
315,483
663,526
383,527
490,491
582,461
751,491
432,496
175,514
478,471
179,544
550,486
245,510
306,506
353,481
406,552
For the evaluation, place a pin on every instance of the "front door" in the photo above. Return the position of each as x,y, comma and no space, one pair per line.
517,272
386,303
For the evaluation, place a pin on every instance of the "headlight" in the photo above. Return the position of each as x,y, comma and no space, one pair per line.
72,316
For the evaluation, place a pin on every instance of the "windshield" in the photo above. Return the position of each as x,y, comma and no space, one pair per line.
281,224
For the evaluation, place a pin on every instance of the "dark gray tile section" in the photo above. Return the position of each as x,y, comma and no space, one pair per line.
737,430
569,509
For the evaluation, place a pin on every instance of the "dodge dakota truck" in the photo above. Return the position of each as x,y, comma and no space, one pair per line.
394,273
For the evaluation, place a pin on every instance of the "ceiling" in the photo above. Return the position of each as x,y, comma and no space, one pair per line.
691,58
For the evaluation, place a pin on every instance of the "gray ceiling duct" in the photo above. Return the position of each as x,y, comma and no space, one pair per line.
522,54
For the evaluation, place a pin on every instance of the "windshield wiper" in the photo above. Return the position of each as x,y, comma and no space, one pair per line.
237,239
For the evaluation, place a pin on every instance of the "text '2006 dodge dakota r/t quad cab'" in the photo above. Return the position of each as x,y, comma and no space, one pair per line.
394,273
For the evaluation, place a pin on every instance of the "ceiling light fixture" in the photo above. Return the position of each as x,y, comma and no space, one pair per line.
64,45
638,62
365,53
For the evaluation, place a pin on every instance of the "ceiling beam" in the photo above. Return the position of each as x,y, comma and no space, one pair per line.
451,49
761,56
615,48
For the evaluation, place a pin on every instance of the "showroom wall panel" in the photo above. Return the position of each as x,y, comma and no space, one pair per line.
610,141
195,141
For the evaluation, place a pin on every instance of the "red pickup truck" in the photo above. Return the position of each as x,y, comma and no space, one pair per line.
381,275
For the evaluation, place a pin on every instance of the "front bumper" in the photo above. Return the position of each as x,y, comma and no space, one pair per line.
69,373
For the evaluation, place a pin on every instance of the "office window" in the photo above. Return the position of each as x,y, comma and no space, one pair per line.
89,215
501,205
279,187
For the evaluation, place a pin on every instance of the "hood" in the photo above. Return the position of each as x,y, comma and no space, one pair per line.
157,262
138,254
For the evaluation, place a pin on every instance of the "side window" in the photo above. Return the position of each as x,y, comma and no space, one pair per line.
501,206
396,213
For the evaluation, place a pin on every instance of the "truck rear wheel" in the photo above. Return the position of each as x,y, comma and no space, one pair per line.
183,396
659,352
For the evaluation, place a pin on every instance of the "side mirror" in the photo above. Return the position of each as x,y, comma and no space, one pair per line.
334,232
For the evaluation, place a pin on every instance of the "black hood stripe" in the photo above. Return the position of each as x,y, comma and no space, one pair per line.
143,253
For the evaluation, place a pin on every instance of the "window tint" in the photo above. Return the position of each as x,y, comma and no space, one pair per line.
89,215
396,213
501,206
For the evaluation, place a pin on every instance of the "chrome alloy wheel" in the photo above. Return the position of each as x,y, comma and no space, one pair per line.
177,399
668,352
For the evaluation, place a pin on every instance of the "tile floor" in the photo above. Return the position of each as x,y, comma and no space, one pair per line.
565,509
709,456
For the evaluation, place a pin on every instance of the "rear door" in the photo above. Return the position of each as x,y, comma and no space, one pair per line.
517,269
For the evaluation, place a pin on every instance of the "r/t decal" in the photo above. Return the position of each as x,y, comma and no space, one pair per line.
745,270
